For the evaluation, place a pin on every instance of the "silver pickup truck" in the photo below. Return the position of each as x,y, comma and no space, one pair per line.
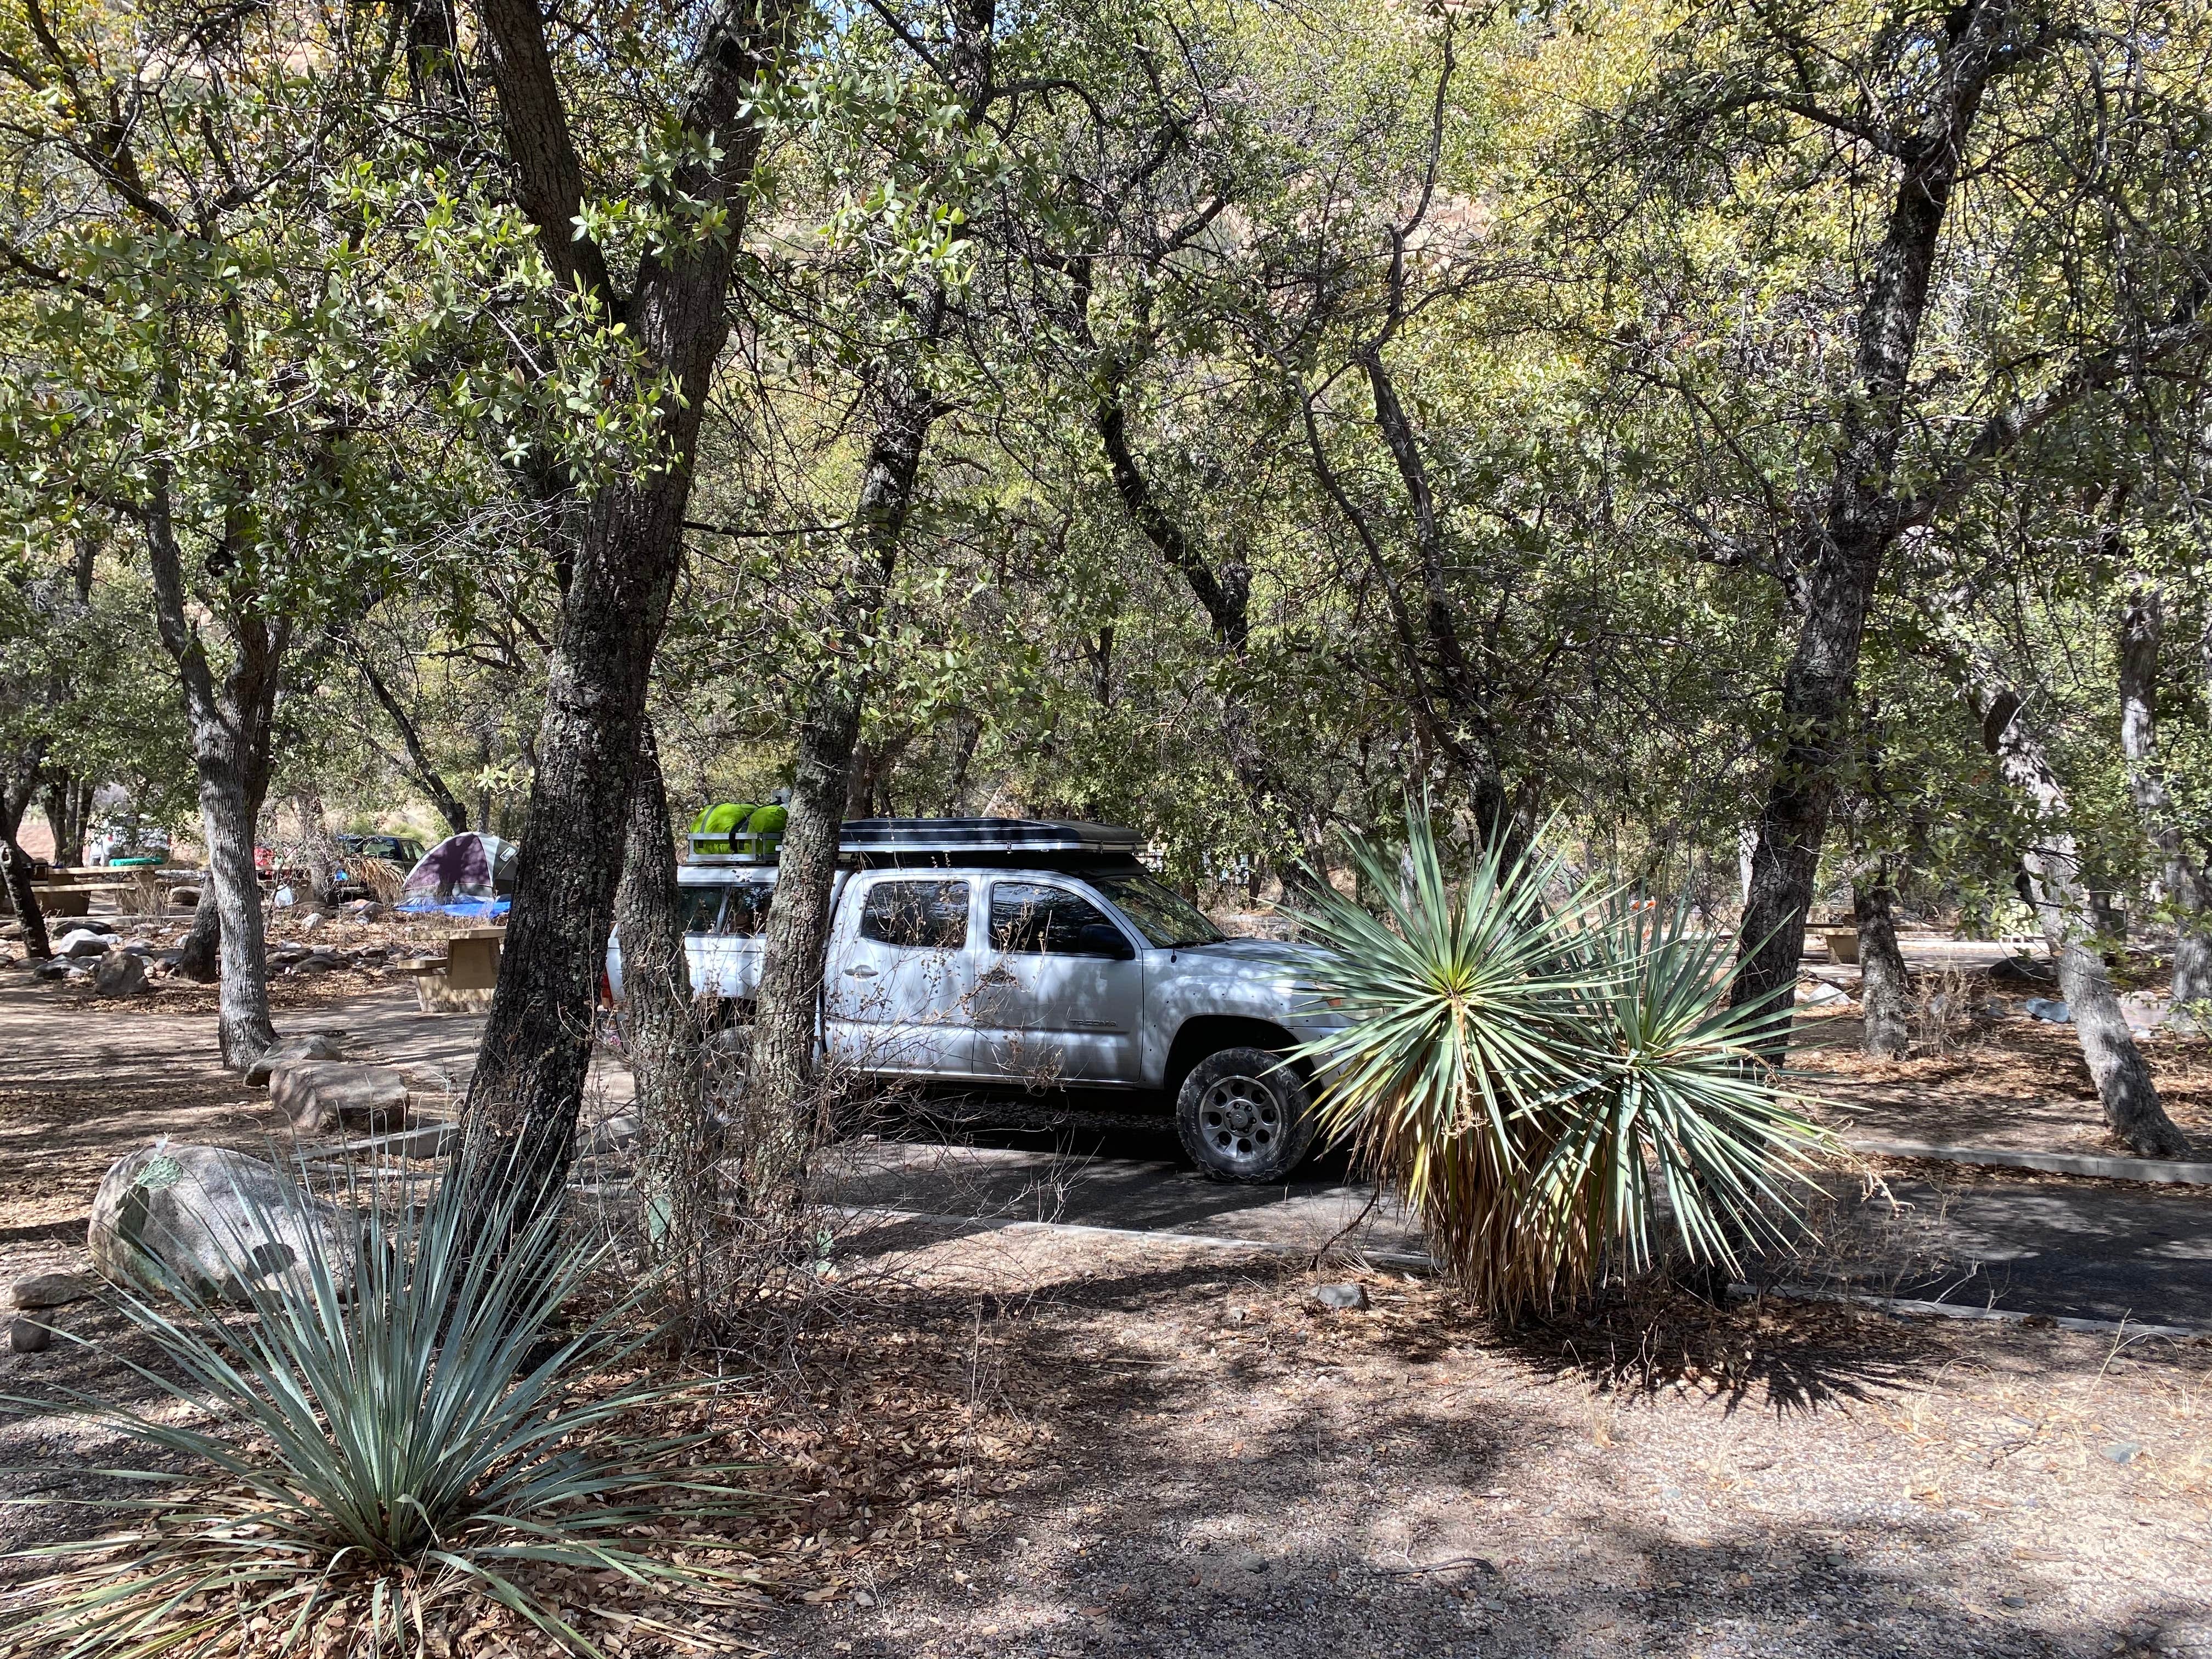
999,950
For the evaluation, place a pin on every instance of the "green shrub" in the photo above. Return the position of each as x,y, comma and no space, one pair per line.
1532,1076
369,1458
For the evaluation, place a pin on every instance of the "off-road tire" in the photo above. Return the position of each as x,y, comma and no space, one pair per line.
1245,1116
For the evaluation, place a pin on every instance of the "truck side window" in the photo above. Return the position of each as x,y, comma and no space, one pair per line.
697,909
1037,921
746,913
927,915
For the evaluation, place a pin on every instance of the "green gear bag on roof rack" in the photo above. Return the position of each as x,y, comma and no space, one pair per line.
721,819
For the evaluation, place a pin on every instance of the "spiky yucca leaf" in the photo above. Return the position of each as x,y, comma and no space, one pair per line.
1455,997
1531,1074
375,1436
1681,1102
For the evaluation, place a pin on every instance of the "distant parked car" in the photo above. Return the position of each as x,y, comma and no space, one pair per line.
402,850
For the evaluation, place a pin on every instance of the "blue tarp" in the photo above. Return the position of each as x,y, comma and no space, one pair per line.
473,909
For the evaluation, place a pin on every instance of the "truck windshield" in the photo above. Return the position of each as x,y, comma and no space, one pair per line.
1163,916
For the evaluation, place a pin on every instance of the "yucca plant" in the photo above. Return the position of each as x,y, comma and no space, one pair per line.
390,1430
1531,1063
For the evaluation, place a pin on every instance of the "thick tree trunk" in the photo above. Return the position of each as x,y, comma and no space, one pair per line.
661,1038
1885,987
2133,1110
781,1107
200,957
24,899
2187,890
1844,548
229,727
68,804
227,813
528,1084
537,1045
419,764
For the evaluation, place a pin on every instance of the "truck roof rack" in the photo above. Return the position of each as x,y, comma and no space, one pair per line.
879,843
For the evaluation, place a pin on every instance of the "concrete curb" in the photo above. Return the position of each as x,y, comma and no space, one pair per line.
2160,1171
1900,1307
1903,1307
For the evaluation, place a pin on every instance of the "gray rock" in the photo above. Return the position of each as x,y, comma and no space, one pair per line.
58,968
48,1291
2125,1452
29,1336
80,942
1341,1296
119,974
311,921
214,1223
318,963
185,898
316,1095
312,1045
2023,970
2045,1009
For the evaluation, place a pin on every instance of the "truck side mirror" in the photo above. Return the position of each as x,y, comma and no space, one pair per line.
1100,938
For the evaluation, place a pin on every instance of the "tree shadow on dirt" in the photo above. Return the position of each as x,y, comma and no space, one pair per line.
1769,1353
1235,1472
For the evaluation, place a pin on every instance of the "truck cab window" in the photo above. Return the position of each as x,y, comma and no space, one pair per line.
697,908
1034,920
923,915
745,916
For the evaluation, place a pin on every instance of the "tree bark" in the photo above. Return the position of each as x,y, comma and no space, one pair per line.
419,764
2187,888
15,864
229,727
1845,547
528,1084
2133,1110
1471,737
1885,987
781,1109
68,804
25,899
200,957
661,1035
317,846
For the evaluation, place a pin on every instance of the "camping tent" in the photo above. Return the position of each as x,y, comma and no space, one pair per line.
468,869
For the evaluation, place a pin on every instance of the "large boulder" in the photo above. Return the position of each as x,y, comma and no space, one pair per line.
80,942
309,1045
216,1222
316,1095
120,974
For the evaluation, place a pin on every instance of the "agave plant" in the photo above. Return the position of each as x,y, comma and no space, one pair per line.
388,1430
1531,1063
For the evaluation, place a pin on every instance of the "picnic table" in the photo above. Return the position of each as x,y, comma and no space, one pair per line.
463,979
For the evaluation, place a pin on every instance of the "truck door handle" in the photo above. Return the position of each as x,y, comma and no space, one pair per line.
861,973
